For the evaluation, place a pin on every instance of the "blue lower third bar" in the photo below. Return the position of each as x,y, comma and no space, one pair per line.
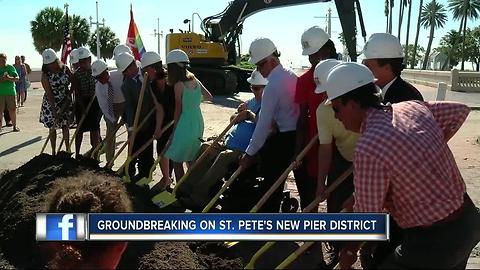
236,227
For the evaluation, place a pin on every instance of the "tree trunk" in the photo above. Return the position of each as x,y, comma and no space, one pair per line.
408,32
400,18
390,20
427,53
463,39
478,65
416,36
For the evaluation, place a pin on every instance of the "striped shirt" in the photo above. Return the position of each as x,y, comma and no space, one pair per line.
403,164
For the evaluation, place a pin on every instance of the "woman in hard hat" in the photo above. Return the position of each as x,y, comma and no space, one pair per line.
403,166
188,127
83,86
57,106
163,96
86,193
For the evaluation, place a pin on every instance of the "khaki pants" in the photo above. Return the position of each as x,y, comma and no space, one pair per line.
7,102
110,142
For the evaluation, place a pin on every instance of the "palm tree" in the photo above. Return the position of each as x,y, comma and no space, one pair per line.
108,41
390,22
464,10
387,13
409,2
433,16
418,33
401,11
47,29
79,31
448,47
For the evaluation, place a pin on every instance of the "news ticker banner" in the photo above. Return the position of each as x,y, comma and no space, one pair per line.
213,227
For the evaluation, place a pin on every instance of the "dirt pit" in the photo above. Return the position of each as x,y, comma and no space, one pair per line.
22,195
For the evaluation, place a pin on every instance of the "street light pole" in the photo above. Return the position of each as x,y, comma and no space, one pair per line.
329,21
97,31
158,34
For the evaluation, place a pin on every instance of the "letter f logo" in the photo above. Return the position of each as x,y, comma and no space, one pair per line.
66,225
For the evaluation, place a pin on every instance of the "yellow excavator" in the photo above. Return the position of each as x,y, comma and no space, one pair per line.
215,53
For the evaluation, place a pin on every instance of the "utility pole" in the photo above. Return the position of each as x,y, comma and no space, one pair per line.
329,21
158,34
97,32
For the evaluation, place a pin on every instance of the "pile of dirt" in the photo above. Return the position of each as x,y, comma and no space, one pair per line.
22,195
196,255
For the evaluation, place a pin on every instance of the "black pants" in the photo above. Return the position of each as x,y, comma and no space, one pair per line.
276,155
306,185
441,246
6,115
145,159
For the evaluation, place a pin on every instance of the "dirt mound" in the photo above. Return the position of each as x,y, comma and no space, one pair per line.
196,255
22,195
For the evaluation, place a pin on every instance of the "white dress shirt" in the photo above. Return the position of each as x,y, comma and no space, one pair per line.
116,79
385,88
101,91
277,105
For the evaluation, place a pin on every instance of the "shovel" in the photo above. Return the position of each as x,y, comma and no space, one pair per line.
110,164
145,181
108,137
62,110
307,209
166,198
307,245
224,187
84,115
279,181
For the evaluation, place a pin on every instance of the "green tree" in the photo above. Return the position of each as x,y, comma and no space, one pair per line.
433,16
448,47
401,12
47,29
472,44
108,41
418,32
413,54
464,10
79,30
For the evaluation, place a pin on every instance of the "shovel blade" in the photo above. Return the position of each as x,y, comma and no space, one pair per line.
164,199
143,182
126,179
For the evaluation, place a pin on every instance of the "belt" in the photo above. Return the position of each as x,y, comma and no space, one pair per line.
455,214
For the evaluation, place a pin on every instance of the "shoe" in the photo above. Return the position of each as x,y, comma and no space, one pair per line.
16,129
331,259
9,124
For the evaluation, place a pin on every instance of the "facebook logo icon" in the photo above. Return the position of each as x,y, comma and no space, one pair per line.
60,227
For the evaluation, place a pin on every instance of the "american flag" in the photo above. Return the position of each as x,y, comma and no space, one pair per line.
67,43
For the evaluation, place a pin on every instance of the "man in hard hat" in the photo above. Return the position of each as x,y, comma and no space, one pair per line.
276,150
384,57
318,46
403,166
131,87
83,86
106,99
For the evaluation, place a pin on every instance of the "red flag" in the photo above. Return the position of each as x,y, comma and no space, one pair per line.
67,43
134,41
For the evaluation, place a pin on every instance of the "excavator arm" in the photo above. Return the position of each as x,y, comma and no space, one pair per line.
230,21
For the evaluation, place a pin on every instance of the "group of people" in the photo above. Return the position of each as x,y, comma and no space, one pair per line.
365,116
13,89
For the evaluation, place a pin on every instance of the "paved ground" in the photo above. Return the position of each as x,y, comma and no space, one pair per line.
18,148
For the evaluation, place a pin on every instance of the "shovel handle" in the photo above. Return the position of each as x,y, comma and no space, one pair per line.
137,113
45,144
256,256
224,187
108,137
204,154
284,175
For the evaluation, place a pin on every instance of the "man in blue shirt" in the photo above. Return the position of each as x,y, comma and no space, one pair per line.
236,143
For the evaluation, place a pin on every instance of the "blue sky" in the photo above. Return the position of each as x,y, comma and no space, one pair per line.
283,25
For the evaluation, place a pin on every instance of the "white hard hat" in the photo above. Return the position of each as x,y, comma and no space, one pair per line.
313,40
49,56
260,48
121,48
257,79
346,77
98,67
383,45
83,53
73,56
321,73
177,56
150,58
124,60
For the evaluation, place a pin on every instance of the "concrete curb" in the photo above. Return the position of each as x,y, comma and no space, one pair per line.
475,108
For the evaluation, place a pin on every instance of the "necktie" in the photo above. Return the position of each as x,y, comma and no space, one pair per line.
110,100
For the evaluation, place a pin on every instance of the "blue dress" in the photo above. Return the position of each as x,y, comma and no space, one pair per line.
189,129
